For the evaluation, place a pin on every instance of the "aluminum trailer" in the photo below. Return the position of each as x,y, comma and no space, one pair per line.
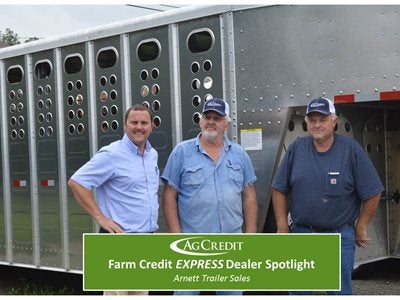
63,98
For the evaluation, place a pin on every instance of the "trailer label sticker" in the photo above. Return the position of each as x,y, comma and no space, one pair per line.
211,262
251,139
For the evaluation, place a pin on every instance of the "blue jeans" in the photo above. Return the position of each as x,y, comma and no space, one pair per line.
219,293
348,249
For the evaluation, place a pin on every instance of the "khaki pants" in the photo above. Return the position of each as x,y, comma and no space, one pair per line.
125,293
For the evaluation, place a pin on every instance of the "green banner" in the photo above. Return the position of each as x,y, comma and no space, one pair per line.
211,262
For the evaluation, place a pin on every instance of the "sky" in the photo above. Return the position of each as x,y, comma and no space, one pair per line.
44,21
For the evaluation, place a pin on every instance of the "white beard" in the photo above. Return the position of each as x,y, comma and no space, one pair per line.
209,135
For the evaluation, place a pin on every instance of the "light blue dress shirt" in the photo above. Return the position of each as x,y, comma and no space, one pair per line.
209,193
126,184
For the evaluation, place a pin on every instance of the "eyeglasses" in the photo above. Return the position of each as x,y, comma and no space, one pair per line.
215,118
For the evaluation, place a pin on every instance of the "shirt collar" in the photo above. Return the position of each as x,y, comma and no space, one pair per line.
131,145
227,143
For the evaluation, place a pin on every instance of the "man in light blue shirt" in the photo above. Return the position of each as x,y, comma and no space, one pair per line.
209,182
125,175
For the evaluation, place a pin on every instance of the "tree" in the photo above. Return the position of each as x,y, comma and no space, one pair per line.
31,39
9,37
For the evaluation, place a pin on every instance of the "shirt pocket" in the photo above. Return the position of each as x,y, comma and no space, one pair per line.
334,184
193,175
235,174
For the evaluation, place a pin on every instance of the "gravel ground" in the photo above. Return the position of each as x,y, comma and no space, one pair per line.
383,279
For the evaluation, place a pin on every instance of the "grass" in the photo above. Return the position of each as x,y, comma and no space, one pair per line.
28,288
24,281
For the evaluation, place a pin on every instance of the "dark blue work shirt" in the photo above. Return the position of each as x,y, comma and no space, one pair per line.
326,189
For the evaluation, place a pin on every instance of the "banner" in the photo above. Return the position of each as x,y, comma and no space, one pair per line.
211,262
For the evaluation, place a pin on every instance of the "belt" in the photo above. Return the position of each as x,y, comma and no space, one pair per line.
102,230
325,229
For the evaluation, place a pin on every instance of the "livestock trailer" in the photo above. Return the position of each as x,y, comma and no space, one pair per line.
63,98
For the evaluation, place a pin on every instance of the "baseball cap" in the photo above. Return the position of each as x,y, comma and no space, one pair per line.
218,105
321,105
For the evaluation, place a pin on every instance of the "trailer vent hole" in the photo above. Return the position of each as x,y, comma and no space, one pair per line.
196,118
196,101
207,83
157,121
114,125
104,126
20,106
156,105
379,148
43,69
154,73
144,74
71,129
21,133
148,51
70,86
144,91
81,128
195,67
14,134
40,104
113,95
200,41
103,96
155,89
107,58
49,117
48,103
40,90
15,74
41,131
11,95
21,120
207,65
103,80
113,79
20,93
13,108
73,64
47,89
70,100
13,121
49,131
104,111
80,113
79,99
196,84
347,127
71,115
114,110
78,85
208,97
